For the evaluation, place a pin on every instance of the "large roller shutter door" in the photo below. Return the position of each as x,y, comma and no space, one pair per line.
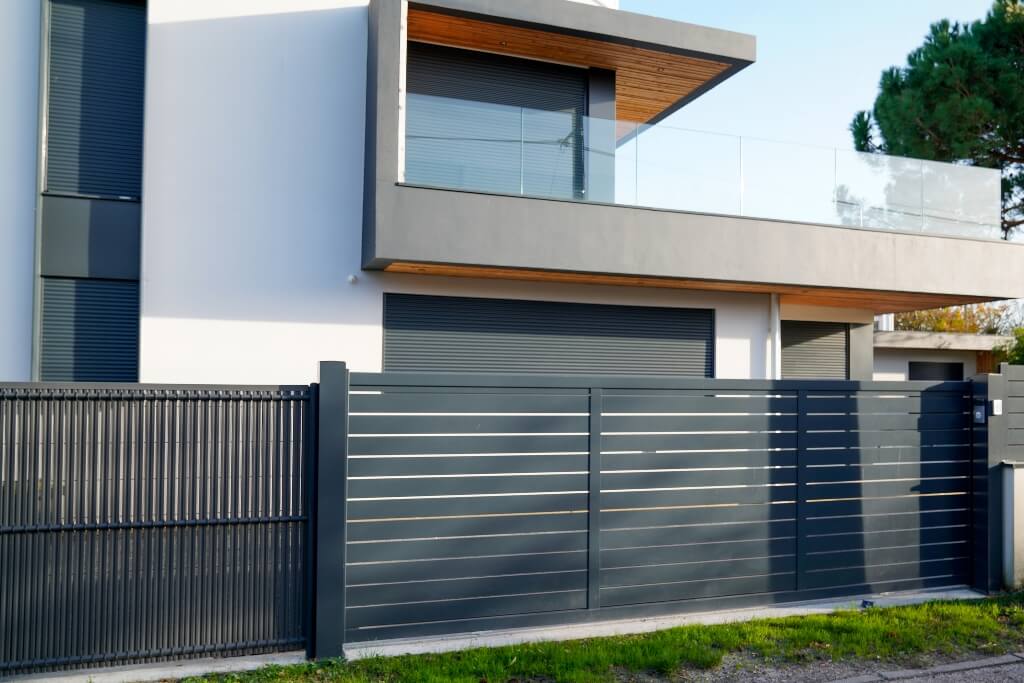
815,350
455,334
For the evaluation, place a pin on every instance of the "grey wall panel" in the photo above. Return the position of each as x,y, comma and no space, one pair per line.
487,122
815,350
95,97
94,238
89,330
140,523
457,334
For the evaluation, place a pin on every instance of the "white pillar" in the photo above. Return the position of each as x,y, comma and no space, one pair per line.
773,368
19,140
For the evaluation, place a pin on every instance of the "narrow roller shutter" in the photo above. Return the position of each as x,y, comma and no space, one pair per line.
815,350
95,101
486,122
454,334
89,331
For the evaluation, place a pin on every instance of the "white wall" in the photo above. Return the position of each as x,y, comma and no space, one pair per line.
894,364
19,141
253,205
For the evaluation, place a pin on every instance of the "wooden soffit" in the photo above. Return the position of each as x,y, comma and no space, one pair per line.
869,300
648,82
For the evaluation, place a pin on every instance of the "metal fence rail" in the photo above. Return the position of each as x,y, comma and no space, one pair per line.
141,522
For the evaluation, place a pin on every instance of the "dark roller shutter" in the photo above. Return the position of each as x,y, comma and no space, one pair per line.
89,331
95,100
815,350
486,122
935,371
454,334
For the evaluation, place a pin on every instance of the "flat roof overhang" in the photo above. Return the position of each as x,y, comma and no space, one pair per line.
659,64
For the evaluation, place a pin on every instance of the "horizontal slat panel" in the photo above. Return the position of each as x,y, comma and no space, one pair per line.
465,485
697,459
464,567
410,445
697,589
541,502
649,499
390,551
885,506
441,401
871,524
879,455
384,594
879,489
361,617
699,442
467,526
465,464
700,403
876,422
696,516
890,438
957,571
883,538
698,478
465,424
877,472
886,556
696,423
696,544
719,570
935,402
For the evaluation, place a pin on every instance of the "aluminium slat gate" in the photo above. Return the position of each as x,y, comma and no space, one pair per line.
479,502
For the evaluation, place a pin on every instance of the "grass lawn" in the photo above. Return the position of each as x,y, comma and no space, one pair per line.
983,628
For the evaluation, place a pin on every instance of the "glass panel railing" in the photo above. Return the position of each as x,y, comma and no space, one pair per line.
467,145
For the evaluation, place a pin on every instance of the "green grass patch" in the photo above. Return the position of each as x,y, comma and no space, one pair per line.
983,627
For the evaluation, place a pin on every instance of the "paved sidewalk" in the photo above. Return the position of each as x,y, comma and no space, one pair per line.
1005,668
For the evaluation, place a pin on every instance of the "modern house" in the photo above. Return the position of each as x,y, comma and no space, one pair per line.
228,191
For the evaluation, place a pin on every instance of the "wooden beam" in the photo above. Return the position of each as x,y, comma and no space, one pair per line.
647,81
865,299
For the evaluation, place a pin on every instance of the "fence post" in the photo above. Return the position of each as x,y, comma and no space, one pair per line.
594,504
331,499
989,435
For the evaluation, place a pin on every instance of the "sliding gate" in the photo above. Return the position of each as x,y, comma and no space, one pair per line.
481,502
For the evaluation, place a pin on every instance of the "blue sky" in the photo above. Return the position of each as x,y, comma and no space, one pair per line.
818,62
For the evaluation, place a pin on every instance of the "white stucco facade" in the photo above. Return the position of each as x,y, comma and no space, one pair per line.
19,122
252,205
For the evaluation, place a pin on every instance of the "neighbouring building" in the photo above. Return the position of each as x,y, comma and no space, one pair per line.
232,190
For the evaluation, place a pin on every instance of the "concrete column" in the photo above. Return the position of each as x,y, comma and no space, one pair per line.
774,365
19,140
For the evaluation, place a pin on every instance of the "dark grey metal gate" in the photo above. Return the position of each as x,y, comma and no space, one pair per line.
478,501
143,522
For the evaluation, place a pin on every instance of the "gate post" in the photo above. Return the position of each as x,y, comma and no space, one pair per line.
329,512
988,443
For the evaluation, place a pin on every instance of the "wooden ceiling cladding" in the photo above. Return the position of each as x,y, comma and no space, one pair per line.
647,82
870,300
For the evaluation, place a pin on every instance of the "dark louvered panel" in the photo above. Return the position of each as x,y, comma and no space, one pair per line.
453,334
485,122
95,99
89,330
815,350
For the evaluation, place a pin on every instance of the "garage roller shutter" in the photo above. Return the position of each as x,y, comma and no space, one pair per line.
454,334
815,350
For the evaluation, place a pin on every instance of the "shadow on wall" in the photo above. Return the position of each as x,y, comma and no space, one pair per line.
254,164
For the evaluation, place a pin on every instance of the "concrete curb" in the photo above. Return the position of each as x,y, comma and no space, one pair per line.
957,667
